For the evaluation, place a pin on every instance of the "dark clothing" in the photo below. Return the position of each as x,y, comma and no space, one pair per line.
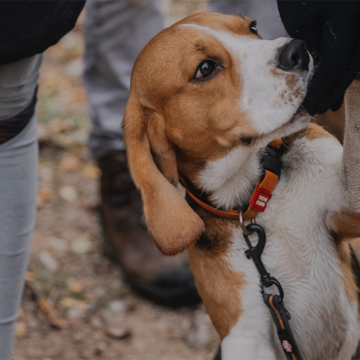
332,31
13,126
330,28
30,27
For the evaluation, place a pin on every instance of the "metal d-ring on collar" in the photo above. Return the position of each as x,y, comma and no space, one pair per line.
242,224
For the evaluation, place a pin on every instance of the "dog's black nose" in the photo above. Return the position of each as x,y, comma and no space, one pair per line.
294,56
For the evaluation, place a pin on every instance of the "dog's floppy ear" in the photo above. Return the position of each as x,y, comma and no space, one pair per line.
173,225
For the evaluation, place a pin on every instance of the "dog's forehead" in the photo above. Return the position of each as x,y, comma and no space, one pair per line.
235,24
187,41
194,30
227,29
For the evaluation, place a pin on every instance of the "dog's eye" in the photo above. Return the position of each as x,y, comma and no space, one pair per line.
253,28
205,69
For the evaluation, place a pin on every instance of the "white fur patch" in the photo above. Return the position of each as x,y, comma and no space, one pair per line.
231,179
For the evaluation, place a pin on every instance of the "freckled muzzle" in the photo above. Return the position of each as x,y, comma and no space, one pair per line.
294,56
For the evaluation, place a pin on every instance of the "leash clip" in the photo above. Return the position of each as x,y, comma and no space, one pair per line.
254,253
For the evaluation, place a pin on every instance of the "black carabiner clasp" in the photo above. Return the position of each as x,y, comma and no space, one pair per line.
259,247
275,282
255,252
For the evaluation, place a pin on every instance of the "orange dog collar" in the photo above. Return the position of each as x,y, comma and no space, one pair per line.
262,192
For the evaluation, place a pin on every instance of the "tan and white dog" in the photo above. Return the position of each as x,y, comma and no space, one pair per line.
207,95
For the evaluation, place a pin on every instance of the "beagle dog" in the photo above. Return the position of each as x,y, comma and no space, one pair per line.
207,96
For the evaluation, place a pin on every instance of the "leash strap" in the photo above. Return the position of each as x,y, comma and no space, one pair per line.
281,319
356,356
356,271
357,353
274,303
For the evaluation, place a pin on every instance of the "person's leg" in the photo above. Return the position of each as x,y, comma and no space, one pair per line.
265,12
115,33
18,187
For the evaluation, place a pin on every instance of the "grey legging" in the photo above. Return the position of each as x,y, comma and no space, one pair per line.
18,189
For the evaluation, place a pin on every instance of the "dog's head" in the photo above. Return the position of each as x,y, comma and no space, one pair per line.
200,88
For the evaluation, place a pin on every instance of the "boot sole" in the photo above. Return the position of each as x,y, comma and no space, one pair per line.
172,297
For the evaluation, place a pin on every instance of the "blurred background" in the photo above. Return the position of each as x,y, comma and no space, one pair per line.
75,305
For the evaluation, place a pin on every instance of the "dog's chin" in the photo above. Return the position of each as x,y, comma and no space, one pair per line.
297,122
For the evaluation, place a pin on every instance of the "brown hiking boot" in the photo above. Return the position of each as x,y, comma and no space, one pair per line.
164,280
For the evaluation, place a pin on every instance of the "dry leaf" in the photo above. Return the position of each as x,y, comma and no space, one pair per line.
76,287
61,125
68,193
71,303
75,314
78,94
43,195
29,276
92,172
118,333
70,163
58,245
81,246
45,307
20,329
46,174
43,133
48,261
117,306
51,314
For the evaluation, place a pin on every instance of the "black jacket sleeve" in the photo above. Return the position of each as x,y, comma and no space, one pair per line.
30,27
332,31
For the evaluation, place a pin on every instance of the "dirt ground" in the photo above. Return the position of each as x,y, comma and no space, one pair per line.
75,304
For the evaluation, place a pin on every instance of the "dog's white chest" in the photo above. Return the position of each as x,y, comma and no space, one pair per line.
301,254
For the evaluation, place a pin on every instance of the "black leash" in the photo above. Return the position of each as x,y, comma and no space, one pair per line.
274,303
272,160
356,271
